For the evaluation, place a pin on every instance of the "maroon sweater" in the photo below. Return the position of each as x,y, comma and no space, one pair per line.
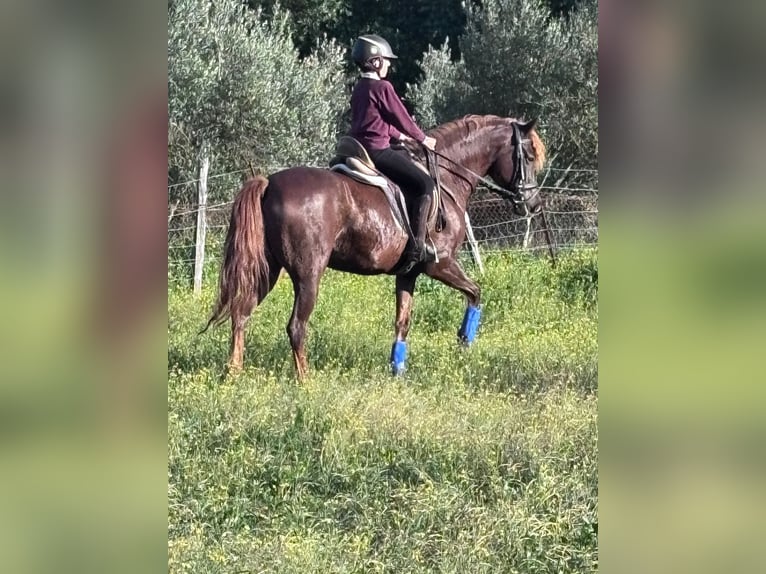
378,115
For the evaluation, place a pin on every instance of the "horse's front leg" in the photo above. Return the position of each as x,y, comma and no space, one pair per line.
449,272
405,286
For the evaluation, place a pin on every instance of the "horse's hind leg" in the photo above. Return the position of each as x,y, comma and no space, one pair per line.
449,272
306,291
241,314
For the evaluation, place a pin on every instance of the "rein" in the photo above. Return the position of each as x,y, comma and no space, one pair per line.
501,191
516,197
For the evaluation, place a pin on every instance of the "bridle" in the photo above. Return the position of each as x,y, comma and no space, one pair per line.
519,182
519,185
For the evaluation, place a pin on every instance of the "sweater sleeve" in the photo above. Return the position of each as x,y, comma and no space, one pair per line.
394,133
396,114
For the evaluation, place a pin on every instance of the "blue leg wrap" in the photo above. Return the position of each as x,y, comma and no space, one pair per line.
398,357
467,332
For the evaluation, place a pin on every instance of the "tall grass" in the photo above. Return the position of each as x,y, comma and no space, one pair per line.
477,460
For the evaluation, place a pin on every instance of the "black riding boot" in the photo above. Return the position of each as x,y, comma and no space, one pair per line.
421,252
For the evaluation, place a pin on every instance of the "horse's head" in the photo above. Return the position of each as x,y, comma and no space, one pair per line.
520,158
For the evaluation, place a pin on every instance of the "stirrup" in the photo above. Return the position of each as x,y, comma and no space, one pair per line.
430,247
428,254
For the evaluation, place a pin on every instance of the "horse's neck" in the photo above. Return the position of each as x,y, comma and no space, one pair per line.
474,156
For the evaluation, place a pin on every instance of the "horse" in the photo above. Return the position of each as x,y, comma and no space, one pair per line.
304,220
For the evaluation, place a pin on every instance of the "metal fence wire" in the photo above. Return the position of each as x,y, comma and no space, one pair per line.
572,215
573,220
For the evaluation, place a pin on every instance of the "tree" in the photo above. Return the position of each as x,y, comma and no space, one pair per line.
519,61
410,26
239,91
311,19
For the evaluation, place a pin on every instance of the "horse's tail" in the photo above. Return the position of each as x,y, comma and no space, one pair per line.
245,270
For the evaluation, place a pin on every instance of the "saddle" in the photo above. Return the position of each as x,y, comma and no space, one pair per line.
353,160
355,156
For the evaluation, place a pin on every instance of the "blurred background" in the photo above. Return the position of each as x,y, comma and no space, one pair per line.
682,301
84,161
82,399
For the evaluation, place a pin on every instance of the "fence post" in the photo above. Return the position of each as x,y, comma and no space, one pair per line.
199,246
473,243
525,244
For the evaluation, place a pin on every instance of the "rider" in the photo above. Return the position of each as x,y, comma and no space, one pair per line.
377,117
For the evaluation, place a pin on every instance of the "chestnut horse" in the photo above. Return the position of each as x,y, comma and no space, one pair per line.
306,219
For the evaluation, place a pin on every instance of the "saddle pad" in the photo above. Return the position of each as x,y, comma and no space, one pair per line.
376,180
395,198
358,165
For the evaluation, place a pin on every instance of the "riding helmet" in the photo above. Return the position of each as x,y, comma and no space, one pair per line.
371,46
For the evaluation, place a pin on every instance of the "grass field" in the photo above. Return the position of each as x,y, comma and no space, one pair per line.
477,460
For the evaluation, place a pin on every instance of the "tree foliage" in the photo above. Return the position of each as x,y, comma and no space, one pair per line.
264,81
311,19
239,90
517,60
409,25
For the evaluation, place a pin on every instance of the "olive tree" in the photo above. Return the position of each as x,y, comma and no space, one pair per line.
239,93
517,59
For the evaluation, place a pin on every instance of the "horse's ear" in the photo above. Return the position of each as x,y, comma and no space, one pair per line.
528,126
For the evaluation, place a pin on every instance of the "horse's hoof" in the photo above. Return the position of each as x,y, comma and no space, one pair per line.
233,370
398,370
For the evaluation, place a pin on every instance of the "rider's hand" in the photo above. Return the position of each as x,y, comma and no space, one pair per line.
429,142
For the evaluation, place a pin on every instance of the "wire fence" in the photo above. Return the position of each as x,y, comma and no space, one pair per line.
572,215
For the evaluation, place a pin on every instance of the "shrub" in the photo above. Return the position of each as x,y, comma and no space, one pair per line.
517,60
238,90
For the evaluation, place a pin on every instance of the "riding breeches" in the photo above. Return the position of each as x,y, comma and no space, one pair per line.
398,166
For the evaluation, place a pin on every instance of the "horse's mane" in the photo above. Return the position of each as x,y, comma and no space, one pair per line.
464,131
